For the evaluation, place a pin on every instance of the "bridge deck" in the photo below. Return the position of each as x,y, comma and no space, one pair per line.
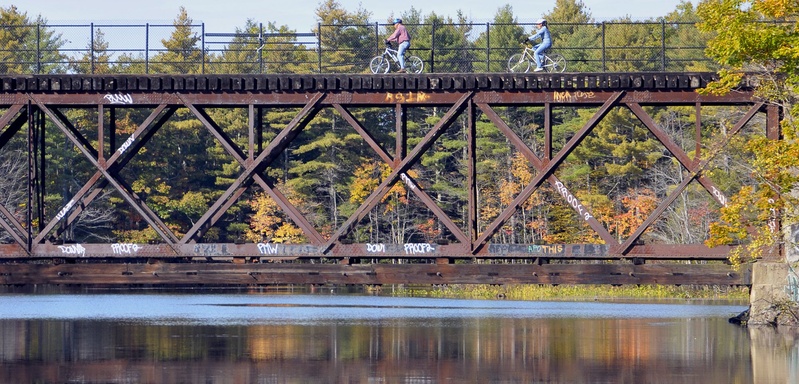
355,82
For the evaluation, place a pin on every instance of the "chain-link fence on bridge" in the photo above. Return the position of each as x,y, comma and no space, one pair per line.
485,47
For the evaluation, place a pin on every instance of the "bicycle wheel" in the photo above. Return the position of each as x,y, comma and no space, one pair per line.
517,63
414,64
555,63
379,64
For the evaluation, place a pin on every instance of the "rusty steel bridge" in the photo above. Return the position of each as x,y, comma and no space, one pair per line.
38,255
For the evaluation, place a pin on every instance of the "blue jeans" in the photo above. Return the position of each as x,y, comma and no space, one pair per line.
401,52
538,54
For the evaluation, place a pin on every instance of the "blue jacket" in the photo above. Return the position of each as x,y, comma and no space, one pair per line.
546,38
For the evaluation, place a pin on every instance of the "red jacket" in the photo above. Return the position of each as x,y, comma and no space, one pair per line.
400,35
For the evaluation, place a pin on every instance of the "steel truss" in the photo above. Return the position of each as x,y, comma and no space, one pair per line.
32,101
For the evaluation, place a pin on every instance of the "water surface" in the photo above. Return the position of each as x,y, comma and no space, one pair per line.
290,338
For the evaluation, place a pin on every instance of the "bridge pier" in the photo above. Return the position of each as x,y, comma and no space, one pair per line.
774,295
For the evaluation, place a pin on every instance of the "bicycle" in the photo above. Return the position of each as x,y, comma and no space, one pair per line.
382,63
521,62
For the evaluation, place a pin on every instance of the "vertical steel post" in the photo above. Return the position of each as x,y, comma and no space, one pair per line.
31,176
488,49
401,147
100,134
433,49
147,48
547,131
319,44
604,54
202,44
91,45
262,43
663,45
471,177
38,49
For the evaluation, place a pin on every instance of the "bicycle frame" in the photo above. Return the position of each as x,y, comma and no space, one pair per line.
528,54
393,54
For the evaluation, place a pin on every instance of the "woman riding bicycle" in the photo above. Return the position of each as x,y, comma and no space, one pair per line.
546,43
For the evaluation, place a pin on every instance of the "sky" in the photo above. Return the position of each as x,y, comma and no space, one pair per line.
300,15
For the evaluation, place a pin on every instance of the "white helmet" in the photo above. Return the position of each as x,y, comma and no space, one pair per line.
541,21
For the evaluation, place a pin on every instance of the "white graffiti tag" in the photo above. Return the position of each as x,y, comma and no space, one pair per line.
573,201
127,143
64,210
720,196
72,249
119,98
267,249
126,248
376,248
408,181
414,248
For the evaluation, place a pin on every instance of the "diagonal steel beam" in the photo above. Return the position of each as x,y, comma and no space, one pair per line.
427,141
117,161
155,222
546,171
627,244
200,226
267,156
539,165
412,184
734,131
17,113
678,153
15,117
695,169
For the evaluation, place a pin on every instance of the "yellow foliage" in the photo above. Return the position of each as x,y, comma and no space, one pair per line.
269,222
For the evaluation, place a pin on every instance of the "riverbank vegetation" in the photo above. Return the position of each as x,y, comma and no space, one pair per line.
575,292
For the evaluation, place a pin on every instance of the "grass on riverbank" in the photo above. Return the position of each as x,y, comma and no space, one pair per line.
576,292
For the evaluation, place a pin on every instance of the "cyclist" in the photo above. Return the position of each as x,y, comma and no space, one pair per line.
403,40
546,42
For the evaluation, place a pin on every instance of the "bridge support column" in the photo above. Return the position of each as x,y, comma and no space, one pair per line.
773,299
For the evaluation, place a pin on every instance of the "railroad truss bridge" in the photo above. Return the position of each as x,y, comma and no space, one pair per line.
35,253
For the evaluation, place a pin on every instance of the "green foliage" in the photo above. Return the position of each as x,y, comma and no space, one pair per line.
504,32
182,53
345,38
20,40
759,38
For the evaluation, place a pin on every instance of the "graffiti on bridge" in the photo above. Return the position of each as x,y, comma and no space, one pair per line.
792,288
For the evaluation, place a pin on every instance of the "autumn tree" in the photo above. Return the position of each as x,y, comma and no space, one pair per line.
757,38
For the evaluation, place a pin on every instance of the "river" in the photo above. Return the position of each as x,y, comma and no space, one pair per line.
331,337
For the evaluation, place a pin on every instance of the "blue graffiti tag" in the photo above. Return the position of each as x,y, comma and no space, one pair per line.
792,289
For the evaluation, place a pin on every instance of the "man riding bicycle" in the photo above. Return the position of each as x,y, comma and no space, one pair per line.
546,43
403,40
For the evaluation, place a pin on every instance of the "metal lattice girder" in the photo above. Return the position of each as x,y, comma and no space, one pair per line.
459,93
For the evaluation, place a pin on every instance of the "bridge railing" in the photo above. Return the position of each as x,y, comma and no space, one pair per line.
471,47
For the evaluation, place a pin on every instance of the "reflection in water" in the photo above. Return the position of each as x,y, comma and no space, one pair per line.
300,339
